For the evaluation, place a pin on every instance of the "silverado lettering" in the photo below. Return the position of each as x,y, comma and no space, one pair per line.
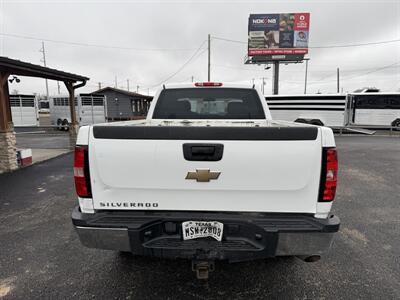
128,204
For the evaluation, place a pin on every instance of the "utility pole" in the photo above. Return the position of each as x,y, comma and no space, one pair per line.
263,85
44,63
115,84
192,78
99,83
276,78
209,57
338,81
137,89
127,84
305,78
58,87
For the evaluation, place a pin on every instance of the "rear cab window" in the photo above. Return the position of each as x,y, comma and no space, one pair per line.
208,103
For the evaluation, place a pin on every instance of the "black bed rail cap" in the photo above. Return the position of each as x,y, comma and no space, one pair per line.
205,133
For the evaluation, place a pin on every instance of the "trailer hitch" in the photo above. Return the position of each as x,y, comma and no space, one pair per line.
202,268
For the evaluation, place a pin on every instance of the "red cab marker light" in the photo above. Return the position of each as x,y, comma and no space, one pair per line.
208,84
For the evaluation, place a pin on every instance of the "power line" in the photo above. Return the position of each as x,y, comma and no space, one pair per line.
319,47
323,81
228,40
373,71
92,45
355,45
356,76
294,71
183,66
175,49
369,70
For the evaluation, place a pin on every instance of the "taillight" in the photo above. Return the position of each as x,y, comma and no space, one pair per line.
208,84
81,172
329,175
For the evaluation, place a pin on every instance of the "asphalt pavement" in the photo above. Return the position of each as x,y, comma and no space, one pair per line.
45,143
42,258
40,139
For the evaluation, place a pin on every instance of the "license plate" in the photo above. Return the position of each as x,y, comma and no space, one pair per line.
201,229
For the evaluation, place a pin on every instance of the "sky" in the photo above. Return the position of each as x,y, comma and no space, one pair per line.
154,42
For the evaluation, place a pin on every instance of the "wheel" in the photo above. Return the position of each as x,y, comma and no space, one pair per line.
396,123
300,120
59,124
316,122
65,125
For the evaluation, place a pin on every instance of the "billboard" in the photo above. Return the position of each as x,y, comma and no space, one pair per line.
278,34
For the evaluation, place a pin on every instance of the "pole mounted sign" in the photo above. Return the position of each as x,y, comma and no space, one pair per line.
280,35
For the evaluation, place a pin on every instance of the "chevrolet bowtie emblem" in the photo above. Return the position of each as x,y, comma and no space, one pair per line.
203,175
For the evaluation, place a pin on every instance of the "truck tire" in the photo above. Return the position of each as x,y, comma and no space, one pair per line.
59,124
316,122
396,123
300,120
65,125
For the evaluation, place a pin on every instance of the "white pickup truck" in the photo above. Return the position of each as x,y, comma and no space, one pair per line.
207,176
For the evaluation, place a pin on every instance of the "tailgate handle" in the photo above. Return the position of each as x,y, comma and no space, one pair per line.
203,152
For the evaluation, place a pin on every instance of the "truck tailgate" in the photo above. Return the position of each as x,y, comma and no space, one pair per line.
262,169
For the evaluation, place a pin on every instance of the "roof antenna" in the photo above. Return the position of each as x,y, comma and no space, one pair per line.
254,85
163,86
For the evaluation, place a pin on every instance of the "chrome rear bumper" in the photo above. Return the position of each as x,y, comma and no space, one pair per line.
247,236
307,243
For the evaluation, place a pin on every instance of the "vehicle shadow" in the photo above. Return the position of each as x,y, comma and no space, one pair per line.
174,279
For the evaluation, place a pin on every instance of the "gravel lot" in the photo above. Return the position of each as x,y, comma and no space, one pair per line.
41,257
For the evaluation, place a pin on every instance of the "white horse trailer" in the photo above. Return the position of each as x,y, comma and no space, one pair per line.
90,109
59,111
318,109
373,109
24,110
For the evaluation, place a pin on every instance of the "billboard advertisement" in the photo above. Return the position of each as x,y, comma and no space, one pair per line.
278,34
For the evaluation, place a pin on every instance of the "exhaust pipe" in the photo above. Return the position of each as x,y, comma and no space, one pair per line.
309,258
